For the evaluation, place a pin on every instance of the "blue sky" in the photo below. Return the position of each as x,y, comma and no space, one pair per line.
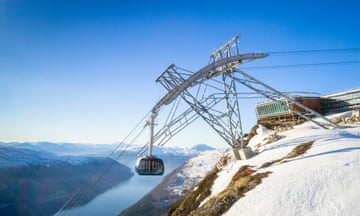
84,71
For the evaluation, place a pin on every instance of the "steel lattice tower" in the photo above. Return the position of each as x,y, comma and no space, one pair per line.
211,93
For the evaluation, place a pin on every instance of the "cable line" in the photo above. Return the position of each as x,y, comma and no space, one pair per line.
315,51
101,170
301,65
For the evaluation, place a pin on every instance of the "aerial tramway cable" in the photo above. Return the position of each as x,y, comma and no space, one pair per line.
102,174
315,51
79,195
301,65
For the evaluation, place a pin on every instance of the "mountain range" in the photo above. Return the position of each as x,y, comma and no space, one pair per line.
38,177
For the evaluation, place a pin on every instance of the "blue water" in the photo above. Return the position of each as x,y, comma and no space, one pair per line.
114,201
117,199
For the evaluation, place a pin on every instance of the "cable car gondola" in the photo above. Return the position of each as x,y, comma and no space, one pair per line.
149,165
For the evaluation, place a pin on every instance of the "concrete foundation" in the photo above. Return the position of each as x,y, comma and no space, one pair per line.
243,153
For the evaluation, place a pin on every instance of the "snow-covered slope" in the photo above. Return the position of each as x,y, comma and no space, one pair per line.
325,180
193,171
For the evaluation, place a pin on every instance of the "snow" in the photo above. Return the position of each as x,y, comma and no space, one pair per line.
323,181
202,164
193,171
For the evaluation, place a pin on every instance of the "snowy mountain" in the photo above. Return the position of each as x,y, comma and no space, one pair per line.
45,173
63,148
38,183
302,170
103,149
20,157
40,153
169,151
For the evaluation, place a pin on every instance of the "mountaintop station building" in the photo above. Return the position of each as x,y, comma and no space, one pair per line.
276,113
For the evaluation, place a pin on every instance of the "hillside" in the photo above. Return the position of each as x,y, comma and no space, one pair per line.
175,185
308,171
302,170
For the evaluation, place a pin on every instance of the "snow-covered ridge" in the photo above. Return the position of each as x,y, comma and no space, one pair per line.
62,148
102,149
193,171
322,181
43,153
14,157
169,151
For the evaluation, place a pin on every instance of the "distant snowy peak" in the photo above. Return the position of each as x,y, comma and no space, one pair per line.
169,151
17,157
202,147
103,149
42,153
185,151
62,148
